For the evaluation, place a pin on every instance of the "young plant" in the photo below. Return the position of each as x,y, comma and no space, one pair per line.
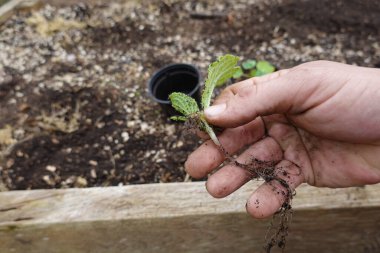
253,68
218,73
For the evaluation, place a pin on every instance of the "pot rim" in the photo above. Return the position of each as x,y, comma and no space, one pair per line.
157,73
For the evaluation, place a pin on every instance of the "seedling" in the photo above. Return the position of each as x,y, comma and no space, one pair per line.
253,68
218,73
249,64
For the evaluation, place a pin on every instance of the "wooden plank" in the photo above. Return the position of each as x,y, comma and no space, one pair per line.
182,217
7,9
3,2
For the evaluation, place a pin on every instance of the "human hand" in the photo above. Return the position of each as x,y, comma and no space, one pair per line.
321,120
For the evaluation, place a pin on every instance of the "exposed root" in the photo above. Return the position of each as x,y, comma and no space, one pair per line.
270,173
279,226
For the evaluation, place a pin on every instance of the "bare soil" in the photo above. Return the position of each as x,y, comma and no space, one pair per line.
74,111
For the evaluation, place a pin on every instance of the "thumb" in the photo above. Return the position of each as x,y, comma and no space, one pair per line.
259,96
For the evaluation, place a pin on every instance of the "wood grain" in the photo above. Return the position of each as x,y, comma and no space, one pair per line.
182,217
9,7
6,10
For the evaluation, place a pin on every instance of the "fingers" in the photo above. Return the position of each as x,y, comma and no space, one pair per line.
202,135
231,177
207,157
291,142
270,196
258,96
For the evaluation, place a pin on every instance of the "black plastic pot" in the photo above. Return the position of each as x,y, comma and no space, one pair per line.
178,77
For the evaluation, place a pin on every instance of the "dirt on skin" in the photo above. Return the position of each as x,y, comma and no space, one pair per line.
279,178
74,111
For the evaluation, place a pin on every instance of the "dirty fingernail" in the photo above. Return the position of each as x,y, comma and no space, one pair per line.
215,110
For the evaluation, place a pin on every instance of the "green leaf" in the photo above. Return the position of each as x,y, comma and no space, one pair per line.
239,73
184,103
178,118
264,67
218,73
260,73
248,64
252,73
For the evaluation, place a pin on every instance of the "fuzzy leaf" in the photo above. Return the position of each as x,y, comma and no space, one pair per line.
239,73
184,103
178,118
218,73
248,64
259,73
252,73
264,67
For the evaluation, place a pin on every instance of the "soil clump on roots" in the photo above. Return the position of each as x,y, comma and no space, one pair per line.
279,177
270,173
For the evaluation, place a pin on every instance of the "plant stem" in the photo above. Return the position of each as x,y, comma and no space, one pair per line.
211,133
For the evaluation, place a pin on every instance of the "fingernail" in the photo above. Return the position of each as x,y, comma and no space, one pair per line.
215,110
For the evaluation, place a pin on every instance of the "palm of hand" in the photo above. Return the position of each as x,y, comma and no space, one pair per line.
324,162
304,157
325,134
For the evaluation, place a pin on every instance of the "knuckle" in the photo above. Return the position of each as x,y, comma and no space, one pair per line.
225,95
313,69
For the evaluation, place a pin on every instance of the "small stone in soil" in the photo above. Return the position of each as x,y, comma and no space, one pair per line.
48,180
93,173
81,182
51,168
125,136
93,163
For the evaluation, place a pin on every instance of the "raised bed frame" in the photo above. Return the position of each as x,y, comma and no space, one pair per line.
182,217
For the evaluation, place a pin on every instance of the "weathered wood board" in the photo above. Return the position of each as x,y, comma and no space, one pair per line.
182,217
8,8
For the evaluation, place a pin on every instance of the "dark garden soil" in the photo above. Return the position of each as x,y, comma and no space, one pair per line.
74,111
